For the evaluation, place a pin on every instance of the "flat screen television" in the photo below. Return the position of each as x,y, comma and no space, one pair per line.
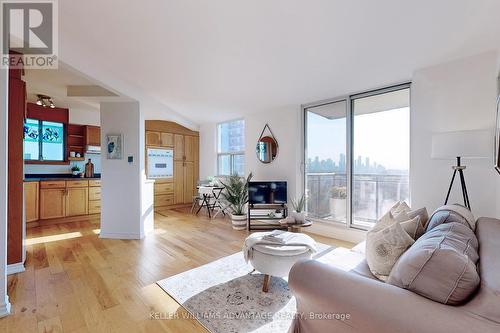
273,192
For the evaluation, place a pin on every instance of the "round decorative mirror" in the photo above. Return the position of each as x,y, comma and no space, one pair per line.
267,146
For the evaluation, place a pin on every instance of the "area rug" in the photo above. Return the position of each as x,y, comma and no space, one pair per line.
226,296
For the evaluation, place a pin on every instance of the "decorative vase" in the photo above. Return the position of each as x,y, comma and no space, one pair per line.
299,217
338,208
239,222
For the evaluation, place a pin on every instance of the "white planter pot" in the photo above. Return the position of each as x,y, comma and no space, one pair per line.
299,217
338,208
239,222
76,173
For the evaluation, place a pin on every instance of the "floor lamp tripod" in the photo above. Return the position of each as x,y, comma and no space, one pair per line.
460,169
475,144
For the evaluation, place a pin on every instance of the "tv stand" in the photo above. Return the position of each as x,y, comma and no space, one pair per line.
263,221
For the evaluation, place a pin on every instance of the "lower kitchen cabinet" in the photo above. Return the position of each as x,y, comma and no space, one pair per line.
31,199
52,203
58,199
77,201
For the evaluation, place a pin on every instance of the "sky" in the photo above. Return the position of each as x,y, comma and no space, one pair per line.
384,137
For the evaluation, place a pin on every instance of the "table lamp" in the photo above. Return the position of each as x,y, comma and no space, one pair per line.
475,144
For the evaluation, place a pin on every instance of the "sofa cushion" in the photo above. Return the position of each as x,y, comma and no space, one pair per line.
441,265
383,248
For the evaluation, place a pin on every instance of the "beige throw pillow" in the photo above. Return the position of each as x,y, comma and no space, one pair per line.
384,247
413,227
408,215
389,217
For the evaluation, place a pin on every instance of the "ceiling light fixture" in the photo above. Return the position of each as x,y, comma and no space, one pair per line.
45,101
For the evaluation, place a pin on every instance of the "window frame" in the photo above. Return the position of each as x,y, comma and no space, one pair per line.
40,159
230,154
349,145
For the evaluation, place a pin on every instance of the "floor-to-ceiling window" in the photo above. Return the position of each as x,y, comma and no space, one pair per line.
357,155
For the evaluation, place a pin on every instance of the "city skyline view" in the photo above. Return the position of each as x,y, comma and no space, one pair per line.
373,134
360,164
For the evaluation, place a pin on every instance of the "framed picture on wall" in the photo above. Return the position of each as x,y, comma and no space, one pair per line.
114,146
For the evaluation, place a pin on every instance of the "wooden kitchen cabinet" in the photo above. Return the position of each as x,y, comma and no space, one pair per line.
189,182
95,207
189,148
77,201
178,147
31,195
178,182
167,140
61,198
153,138
180,189
52,203
92,135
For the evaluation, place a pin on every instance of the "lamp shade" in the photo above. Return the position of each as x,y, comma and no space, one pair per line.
466,144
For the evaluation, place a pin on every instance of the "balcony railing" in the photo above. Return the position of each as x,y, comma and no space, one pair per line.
373,195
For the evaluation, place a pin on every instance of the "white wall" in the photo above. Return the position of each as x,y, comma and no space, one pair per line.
285,125
458,95
122,182
84,116
4,299
208,150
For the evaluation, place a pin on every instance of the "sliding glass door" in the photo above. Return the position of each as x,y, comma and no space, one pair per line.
357,156
325,167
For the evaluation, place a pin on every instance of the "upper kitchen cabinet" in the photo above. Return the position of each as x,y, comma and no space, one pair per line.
159,139
92,135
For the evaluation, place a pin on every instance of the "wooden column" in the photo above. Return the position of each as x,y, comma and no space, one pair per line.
17,111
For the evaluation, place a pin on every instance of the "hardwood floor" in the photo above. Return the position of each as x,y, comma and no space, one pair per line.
76,282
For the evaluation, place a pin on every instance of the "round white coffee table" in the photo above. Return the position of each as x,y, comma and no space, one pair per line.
277,260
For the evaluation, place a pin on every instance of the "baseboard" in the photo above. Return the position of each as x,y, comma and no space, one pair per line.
120,235
337,231
15,268
5,307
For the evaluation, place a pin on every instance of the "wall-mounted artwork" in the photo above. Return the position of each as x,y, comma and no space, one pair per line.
114,146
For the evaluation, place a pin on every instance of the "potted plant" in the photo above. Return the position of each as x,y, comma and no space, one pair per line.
338,199
298,209
236,195
75,170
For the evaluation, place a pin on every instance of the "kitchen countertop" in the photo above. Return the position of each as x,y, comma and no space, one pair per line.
52,177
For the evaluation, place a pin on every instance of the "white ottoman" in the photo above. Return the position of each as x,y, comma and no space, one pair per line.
277,260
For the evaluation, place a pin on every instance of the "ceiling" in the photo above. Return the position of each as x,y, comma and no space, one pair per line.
204,61
55,83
